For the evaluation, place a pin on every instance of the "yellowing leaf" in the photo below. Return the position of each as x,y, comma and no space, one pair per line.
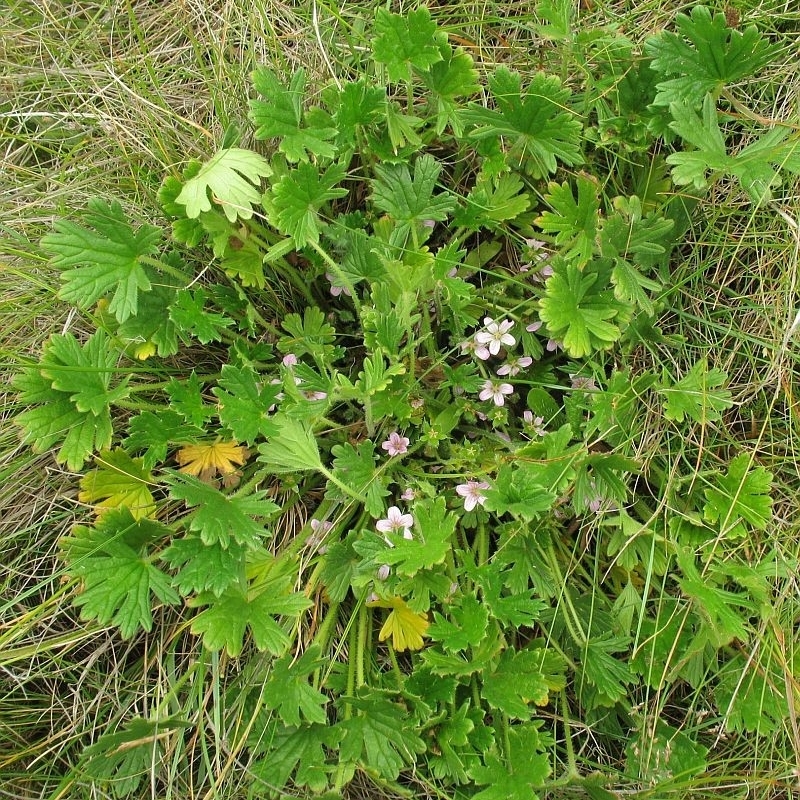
404,626
119,482
144,350
206,461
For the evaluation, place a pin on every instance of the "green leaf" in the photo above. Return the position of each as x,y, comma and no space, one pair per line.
119,481
155,433
205,567
524,768
715,55
447,80
108,258
557,15
409,200
355,105
493,200
302,751
577,312
756,166
244,403
222,518
691,166
379,735
660,754
186,397
118,578
719,608
606,673
697,396
151,325
454,752
280,116
124,757
188,313
288,691
751,693
741,494
539,128
574,223
405,41
226,618
355,466
517,681
297,198
232,176
292,449
507,607
71,388
519,492
434,528
83,372
465,628
311,334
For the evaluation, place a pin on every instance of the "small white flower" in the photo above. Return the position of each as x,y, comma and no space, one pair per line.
553,345
534,326
495,335
289,360
408,495
394,521
472,493
495,391
383,572
514,366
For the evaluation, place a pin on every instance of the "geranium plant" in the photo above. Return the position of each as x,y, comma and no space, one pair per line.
389,406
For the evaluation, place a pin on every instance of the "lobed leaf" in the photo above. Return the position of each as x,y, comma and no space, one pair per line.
107,259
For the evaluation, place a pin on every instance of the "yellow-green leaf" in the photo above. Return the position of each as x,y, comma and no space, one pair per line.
119,482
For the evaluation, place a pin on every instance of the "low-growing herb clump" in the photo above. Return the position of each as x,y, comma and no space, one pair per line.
366,423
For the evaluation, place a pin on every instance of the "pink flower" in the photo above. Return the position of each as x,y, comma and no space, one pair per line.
543,274
582,382
472,493
319,529
336,289
537,423
553,345
395,521
534,326
315,395
408,495
383,572
396,444
289,360
495,391
495,335
514,366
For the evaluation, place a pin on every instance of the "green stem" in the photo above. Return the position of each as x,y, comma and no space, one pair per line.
398,675
343,486
283,267
166,268
572,767
352,644
576,630
364,618
481,546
